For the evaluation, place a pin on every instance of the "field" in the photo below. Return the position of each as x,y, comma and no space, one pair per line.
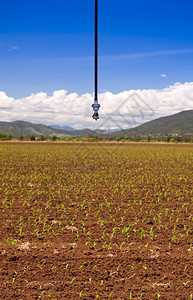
96,221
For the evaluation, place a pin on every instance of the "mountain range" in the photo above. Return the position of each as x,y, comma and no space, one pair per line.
26,129
177,124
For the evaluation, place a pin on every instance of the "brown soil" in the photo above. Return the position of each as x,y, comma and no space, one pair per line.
96,221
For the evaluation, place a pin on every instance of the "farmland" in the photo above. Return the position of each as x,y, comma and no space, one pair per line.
96,221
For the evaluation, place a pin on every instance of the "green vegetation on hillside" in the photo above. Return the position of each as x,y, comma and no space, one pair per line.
178,124
176,127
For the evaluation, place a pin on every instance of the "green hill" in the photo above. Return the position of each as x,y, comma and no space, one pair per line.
26,128
177,124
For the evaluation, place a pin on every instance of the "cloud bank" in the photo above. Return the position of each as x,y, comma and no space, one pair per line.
123,110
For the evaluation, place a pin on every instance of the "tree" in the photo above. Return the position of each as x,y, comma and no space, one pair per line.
138,138
128,139
168,138
32,137
21,137
119,138
149,138
41,137
54,137
187,140
98,138
3,137
178,138
9,137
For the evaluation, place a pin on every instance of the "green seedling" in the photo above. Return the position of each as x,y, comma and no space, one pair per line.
80,268
121,245
185,268
109,296
40,296
41,266
142,234
11,241
72,280
169,246
132,267
80,294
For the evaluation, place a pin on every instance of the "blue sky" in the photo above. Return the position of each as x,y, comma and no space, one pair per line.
48,45
47,59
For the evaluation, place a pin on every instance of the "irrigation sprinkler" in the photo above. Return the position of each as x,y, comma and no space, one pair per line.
96,105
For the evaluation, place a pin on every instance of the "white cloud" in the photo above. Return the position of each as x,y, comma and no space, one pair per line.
163,75
126,109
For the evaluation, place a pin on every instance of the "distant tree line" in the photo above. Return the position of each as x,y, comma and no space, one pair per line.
168,139
96,138
5,137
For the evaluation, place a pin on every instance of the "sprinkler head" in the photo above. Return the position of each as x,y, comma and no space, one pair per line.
95,116
95,107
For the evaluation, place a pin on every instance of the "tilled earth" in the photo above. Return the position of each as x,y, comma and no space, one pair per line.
102,221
